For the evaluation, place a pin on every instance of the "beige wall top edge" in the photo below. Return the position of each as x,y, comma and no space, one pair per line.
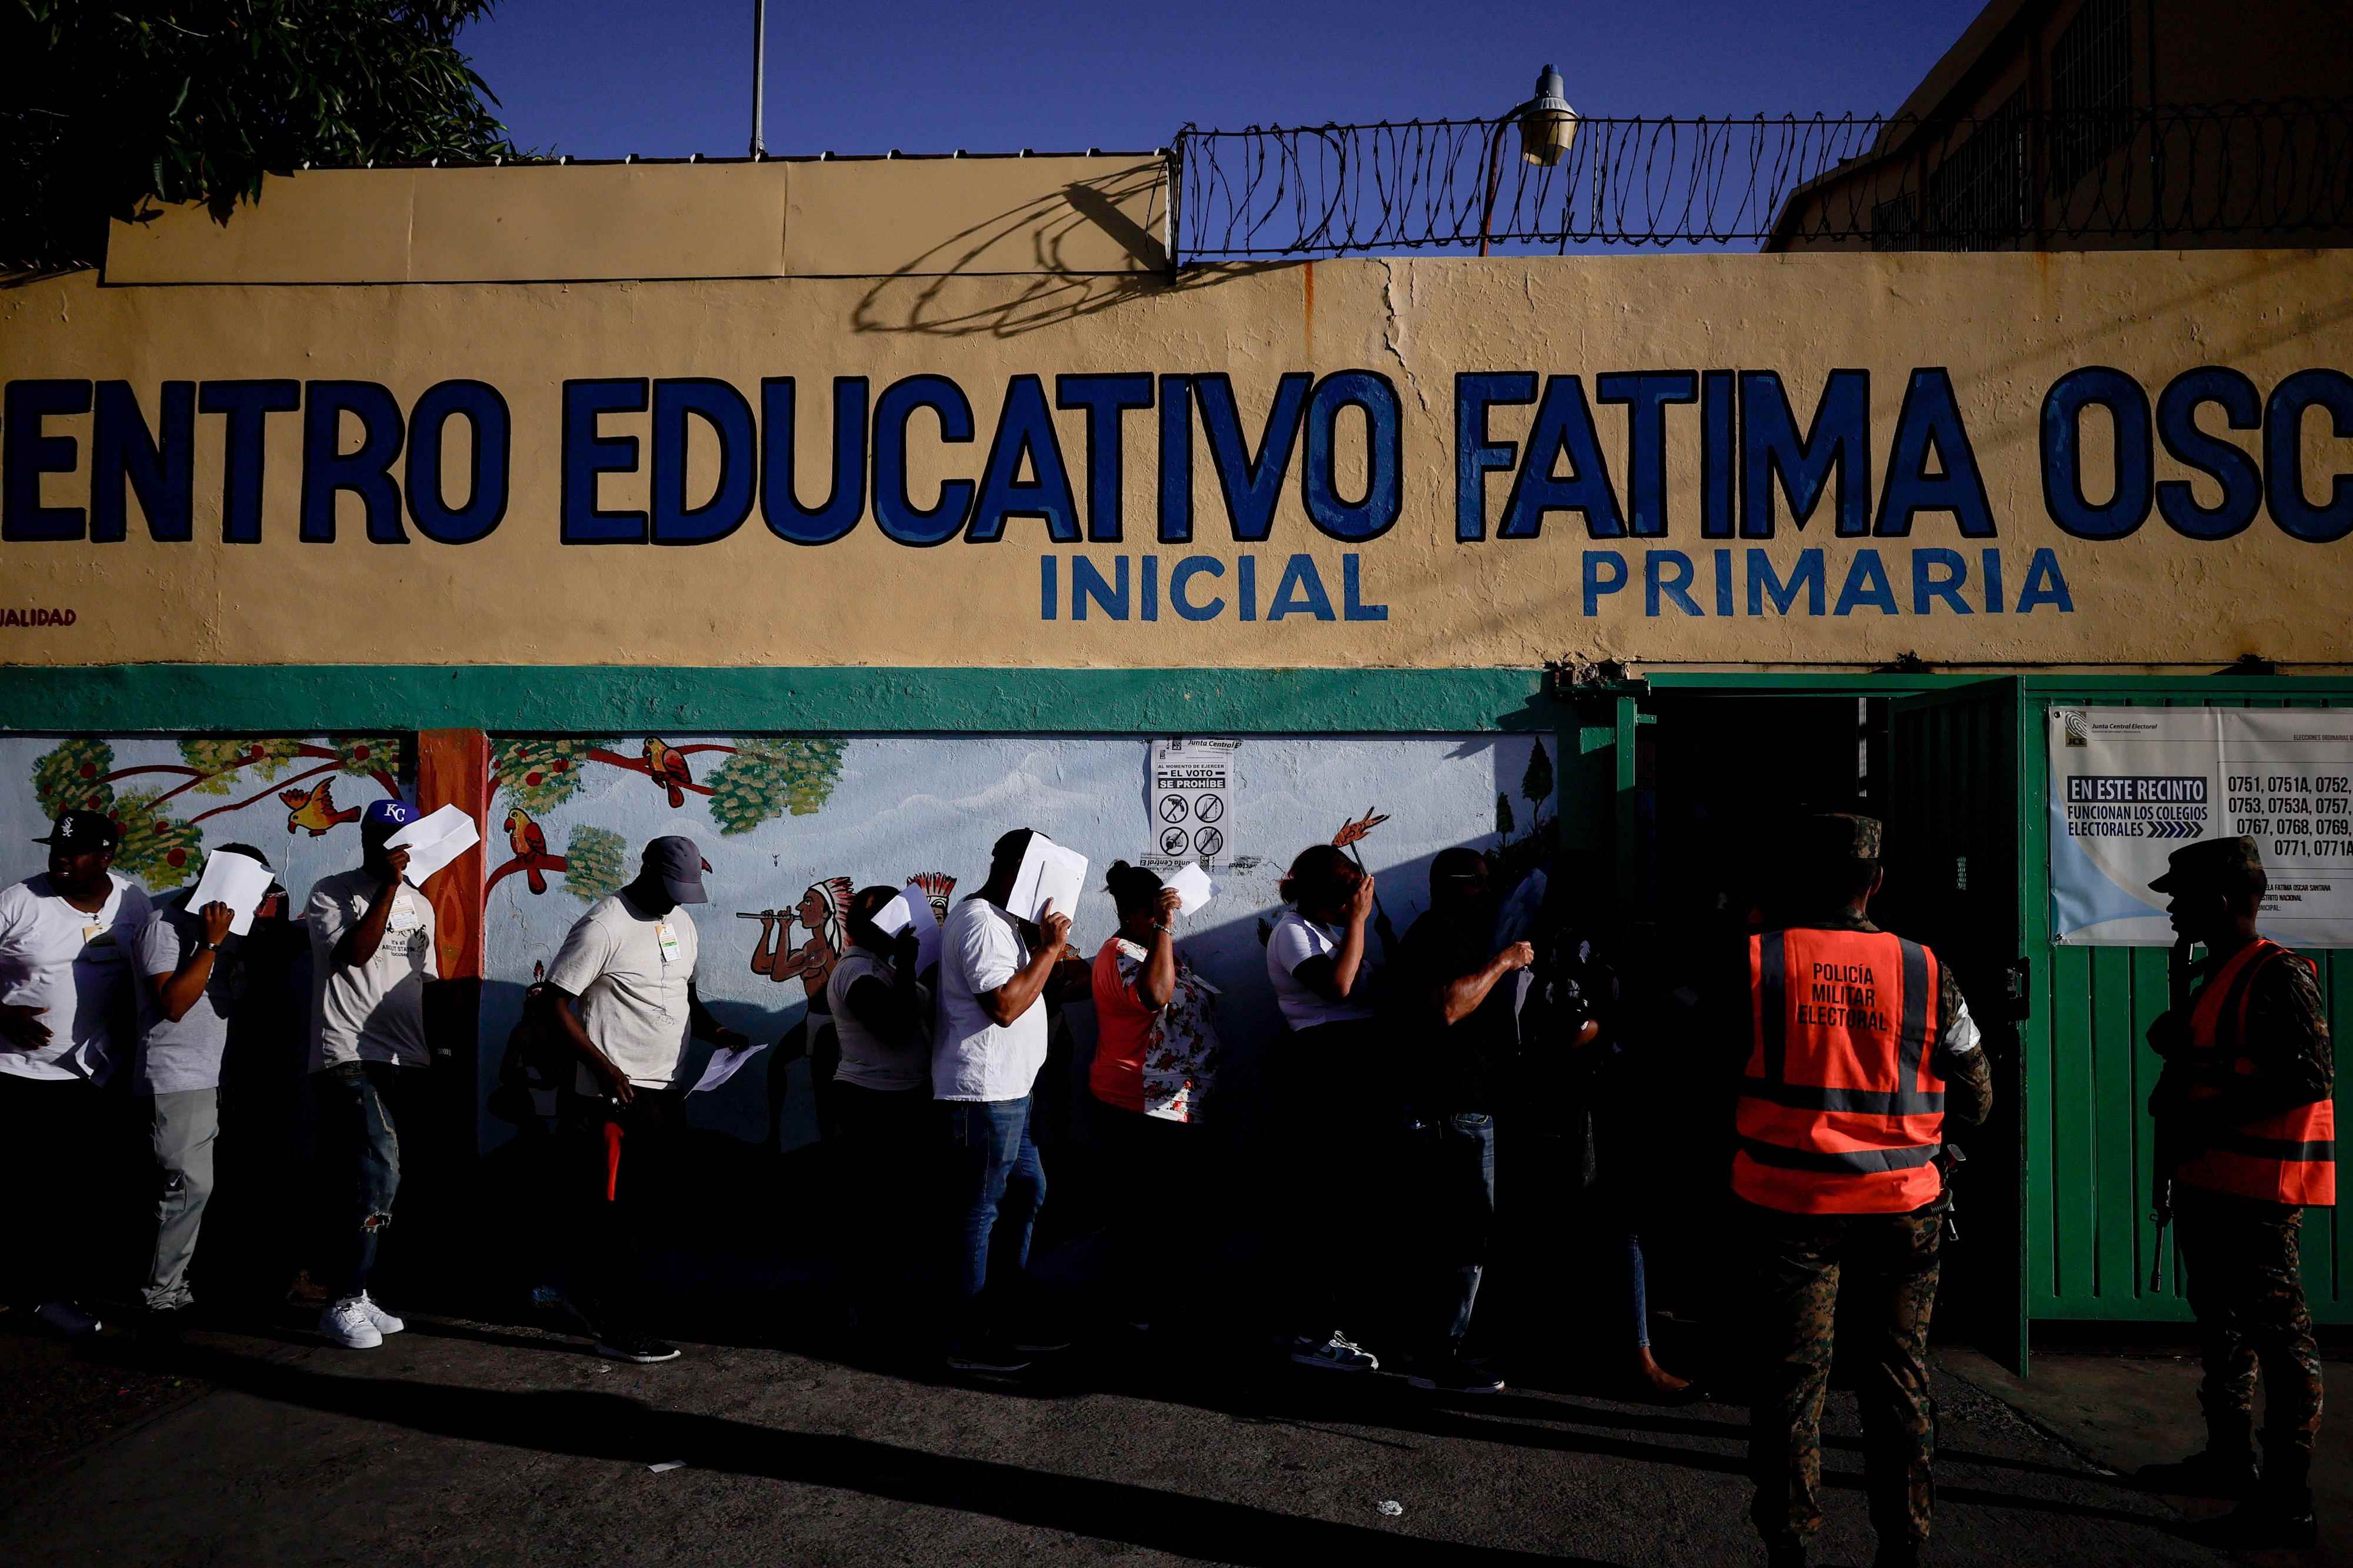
583,223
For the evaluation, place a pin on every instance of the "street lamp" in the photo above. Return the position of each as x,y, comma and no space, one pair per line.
1548,124
1547,128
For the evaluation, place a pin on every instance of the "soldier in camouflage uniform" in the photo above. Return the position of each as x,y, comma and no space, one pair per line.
2270,1076
1883,1264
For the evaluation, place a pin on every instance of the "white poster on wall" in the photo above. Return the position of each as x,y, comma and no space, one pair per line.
2131,785
1191,801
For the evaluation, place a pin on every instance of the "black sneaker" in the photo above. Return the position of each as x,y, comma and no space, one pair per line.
1452,1374
982,1355
641,1348
1041,1344
2203,1474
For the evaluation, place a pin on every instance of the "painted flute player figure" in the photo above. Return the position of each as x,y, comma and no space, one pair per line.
2247,1132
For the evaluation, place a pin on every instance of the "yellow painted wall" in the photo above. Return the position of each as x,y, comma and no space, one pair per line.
2004,326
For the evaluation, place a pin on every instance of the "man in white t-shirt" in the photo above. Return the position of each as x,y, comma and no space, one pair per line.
194,966
371,956
621,990
69,1016
988,1047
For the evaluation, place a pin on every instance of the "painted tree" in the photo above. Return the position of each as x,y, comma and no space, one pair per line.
770,776
158,849
540,774
218,759
74,776
1503,823
1535,785
596,862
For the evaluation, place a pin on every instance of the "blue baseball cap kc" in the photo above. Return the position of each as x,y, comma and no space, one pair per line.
381,814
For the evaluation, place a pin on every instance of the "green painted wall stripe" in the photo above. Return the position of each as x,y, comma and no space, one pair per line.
605,699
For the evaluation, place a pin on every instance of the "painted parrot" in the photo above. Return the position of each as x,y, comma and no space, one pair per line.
528,842
314,809
668,767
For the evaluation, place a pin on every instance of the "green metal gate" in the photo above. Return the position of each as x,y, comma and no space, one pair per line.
2089,1232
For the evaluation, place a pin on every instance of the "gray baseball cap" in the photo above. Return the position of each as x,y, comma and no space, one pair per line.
680,866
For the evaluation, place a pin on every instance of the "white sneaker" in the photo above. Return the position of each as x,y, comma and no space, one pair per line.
1334,1353
67,1318
385,1323
346,1323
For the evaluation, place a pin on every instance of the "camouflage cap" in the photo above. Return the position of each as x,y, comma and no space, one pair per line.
2211,863
1838,836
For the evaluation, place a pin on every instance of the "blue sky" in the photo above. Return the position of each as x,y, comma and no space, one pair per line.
599,79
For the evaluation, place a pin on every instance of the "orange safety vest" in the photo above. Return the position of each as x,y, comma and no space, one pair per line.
1840,1111
2289,1158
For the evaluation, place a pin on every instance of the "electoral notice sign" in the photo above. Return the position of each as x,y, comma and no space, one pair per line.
2131,785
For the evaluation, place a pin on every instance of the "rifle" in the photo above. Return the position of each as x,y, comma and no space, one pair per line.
2166,1154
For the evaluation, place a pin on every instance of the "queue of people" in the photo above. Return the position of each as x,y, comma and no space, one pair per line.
1841,1051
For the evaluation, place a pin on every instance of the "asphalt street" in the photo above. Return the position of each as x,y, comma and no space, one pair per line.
465,1442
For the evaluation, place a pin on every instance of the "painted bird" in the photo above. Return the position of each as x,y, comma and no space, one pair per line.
314,809
667,766
525,838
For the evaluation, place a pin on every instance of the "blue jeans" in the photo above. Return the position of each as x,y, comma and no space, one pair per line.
1458,1189
998,1186
359,1160
1638,1306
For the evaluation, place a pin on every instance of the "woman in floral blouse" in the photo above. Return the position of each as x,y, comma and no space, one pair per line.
1156,1056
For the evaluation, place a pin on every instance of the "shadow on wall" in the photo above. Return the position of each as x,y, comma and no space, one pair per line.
915,297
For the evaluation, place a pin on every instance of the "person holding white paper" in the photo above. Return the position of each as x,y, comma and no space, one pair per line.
192,960
621,993
371,956
434,841
68,1003
1326,1077
1155,1058
988,1045
881,1097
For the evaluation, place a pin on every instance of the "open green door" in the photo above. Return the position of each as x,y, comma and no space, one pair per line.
1956,881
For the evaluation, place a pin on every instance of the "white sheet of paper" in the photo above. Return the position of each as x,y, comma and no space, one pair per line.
926,924
894,917
724,1065
1192,885
1048,874
240,881
434,840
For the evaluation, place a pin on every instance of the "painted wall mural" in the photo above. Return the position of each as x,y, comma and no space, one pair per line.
294,799
791,827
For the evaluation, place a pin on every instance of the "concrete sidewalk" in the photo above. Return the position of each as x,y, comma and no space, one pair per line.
461,1442
2124,1411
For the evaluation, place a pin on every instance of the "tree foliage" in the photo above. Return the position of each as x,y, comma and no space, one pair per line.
596,862
365,756
539,773
219,758
108,106
768,776
158,849
72,777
